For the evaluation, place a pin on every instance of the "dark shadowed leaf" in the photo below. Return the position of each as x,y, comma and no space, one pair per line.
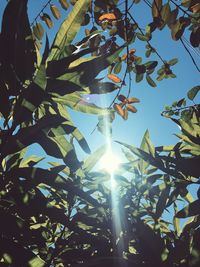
4,99
161,204
192,209
102,88
26,136
16,36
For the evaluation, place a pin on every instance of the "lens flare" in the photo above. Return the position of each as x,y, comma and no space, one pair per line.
109,162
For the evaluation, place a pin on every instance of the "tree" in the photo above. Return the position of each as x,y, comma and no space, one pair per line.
64,215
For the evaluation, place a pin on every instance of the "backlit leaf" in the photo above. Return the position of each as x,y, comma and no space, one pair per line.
172,61
119,109
193,92
131,108
69,29
55,11
38,30
47,19
64,4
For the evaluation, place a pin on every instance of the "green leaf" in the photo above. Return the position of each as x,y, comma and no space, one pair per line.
181,102
172,17
76,102
57,147
177,29
27,104
161,204
142,37
31,161
193,92
165,13
82,75
65,128
192,209
69,29
15,159
36,262
151,65
58,67
156,8
150,81
172,61
102,88
38,30
92,160
118,67
81,140
139,77
26,136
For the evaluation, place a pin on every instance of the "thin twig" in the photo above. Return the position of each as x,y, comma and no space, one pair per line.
178,109
41,11
92,12
191,47
141,31
194,62
185,12
124,78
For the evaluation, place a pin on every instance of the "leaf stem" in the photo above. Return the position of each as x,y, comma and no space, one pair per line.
37,16
141,31
194,62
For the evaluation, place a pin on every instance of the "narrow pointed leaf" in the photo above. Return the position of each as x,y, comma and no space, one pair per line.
38,30
193,92
69,28
64,4
192,209
55,11
47,19
150,81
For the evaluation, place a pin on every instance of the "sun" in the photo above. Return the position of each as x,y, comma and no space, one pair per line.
109,162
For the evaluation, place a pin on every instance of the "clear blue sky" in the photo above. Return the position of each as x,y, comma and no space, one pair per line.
153,100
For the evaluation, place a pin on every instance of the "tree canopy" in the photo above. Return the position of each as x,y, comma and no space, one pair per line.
68,213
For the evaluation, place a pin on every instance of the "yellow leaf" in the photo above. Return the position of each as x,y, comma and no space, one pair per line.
124,57
132,51
55,11
125,116
133,100
64,4
119,110
131,108
87,32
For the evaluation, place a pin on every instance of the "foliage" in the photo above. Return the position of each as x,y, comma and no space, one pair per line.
66,214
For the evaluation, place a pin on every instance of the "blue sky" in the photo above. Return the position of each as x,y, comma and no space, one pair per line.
153,100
